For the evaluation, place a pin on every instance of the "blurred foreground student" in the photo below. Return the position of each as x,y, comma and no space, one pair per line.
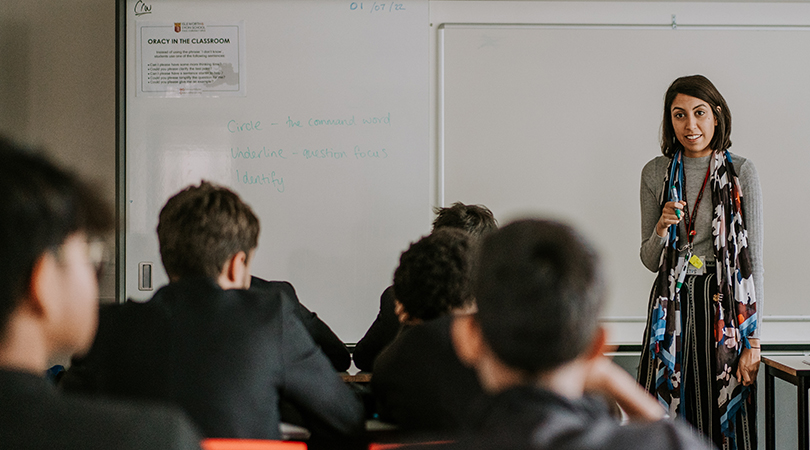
536,345
474,219
418,380
49,308
226,355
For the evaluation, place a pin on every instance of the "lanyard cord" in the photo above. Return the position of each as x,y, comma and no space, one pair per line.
690,219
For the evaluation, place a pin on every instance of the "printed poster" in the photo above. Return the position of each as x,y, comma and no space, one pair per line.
190,59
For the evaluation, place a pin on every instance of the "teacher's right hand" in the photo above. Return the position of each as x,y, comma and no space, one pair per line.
669,217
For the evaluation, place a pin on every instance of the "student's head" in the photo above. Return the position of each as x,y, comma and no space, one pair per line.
433,277
474,219
701,88
202,229
48,266
539,295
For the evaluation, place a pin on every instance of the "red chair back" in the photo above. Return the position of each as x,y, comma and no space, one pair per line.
250,444
375,446
379,446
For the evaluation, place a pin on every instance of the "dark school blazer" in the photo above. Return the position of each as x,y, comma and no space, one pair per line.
324,337
419,382
33,415
226,357
381,333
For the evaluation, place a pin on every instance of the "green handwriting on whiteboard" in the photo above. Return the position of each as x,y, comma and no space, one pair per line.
240,126
260,179
356,153
349,121
237,127
247,153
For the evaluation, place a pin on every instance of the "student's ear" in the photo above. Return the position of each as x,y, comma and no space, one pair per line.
234,272
399,310
467,339
41,288
599,345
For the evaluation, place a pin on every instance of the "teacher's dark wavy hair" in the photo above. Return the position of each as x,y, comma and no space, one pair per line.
700,87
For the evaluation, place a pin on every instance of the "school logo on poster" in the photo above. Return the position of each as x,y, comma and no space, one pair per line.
182,27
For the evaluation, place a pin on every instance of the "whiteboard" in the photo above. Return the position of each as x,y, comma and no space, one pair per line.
339,91
559,120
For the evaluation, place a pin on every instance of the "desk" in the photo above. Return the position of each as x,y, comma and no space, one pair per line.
359,377
793,370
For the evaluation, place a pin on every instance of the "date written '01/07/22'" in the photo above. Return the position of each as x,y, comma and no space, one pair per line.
375,6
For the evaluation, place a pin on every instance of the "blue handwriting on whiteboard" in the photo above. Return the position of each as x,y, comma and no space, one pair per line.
261,179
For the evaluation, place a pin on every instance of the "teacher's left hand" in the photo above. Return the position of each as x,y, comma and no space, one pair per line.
748,366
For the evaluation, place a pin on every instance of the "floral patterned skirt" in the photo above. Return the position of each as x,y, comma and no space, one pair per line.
700,394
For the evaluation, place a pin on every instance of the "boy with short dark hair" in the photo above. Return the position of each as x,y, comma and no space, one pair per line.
418,381
202,229
433,276
537,345
477,220
226,355
48,308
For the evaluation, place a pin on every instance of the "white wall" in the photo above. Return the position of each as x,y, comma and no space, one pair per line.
57,86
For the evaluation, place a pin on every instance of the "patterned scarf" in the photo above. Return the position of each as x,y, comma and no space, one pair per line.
735,309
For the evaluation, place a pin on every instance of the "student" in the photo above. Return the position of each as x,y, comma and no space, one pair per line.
536,345
224,354
418,381
474,219
324,337
48,309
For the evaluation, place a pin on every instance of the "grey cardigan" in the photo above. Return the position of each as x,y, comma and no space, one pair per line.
652,245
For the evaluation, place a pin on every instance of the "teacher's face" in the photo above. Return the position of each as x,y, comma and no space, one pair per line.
693,122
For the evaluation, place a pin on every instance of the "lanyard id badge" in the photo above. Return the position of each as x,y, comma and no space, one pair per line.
696,266
689,264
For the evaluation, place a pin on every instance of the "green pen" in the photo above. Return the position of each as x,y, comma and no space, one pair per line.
682,275
675,198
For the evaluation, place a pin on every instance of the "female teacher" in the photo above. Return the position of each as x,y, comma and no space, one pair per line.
701,227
